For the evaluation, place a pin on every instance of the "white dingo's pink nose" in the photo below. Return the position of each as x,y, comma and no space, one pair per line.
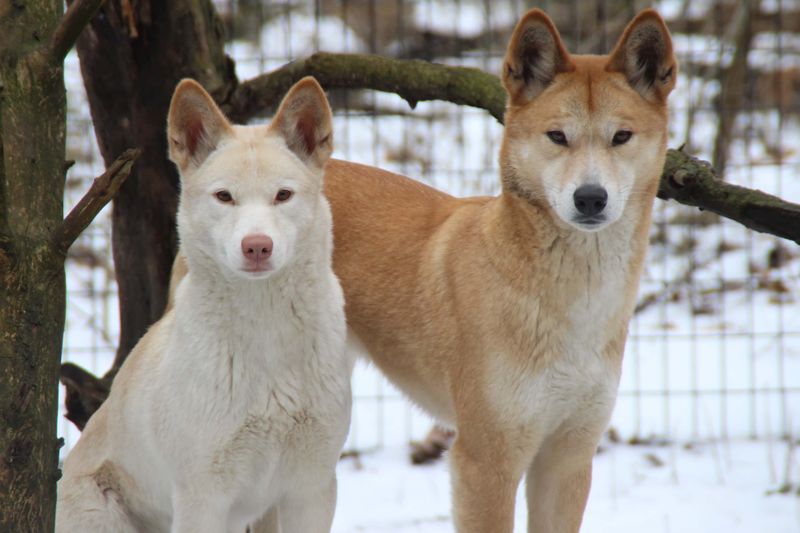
256,250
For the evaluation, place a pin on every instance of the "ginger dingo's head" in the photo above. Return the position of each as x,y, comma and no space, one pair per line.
586,135
250,195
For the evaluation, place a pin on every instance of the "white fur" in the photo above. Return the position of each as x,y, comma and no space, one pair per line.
238,400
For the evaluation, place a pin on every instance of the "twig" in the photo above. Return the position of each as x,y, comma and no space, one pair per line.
78,15
128,14
99,194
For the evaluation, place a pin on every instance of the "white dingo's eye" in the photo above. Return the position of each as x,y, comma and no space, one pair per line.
224,196
557,137
283,195
621,137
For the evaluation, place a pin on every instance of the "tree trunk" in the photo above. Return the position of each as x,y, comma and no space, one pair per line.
32,292
132,57
733,84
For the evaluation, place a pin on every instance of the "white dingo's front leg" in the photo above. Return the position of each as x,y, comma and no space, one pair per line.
267,523
196,513
310,511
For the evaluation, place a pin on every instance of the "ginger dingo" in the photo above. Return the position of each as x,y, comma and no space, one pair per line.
506,317
237,402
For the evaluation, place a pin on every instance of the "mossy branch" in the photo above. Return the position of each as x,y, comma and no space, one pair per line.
685,179
411,79
693,182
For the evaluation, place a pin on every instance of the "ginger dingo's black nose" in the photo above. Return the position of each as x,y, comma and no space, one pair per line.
590,199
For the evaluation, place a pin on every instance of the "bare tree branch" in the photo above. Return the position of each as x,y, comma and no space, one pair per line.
691,181
100,193
78,15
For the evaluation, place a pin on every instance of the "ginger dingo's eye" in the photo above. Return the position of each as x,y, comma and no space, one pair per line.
224,196
283,195
621,137
557,137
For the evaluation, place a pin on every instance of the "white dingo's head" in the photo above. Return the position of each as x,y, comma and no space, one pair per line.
586,136
251,196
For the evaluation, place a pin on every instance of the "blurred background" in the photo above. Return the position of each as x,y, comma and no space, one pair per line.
704,433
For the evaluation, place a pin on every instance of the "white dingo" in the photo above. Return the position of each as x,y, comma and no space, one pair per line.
237,402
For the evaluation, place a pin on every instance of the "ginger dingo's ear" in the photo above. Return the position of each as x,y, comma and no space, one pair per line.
305,122
644,55
195,125
535,55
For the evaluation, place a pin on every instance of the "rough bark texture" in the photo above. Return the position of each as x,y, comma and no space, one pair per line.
131,62
34,241
32,286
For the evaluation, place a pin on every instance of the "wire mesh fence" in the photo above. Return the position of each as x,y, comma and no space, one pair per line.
714,348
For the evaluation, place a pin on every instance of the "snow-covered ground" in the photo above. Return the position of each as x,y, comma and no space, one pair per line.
712,367
706,489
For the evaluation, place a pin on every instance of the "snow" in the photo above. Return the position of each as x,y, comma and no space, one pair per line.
708,488
466,18
712,368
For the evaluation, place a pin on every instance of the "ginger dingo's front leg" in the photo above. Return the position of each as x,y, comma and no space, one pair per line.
558,484
485,480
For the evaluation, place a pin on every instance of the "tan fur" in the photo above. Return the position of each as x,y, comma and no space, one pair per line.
501,315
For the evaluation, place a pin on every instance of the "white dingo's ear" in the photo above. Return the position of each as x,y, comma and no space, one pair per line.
304,120
195,125
534,56
644,55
